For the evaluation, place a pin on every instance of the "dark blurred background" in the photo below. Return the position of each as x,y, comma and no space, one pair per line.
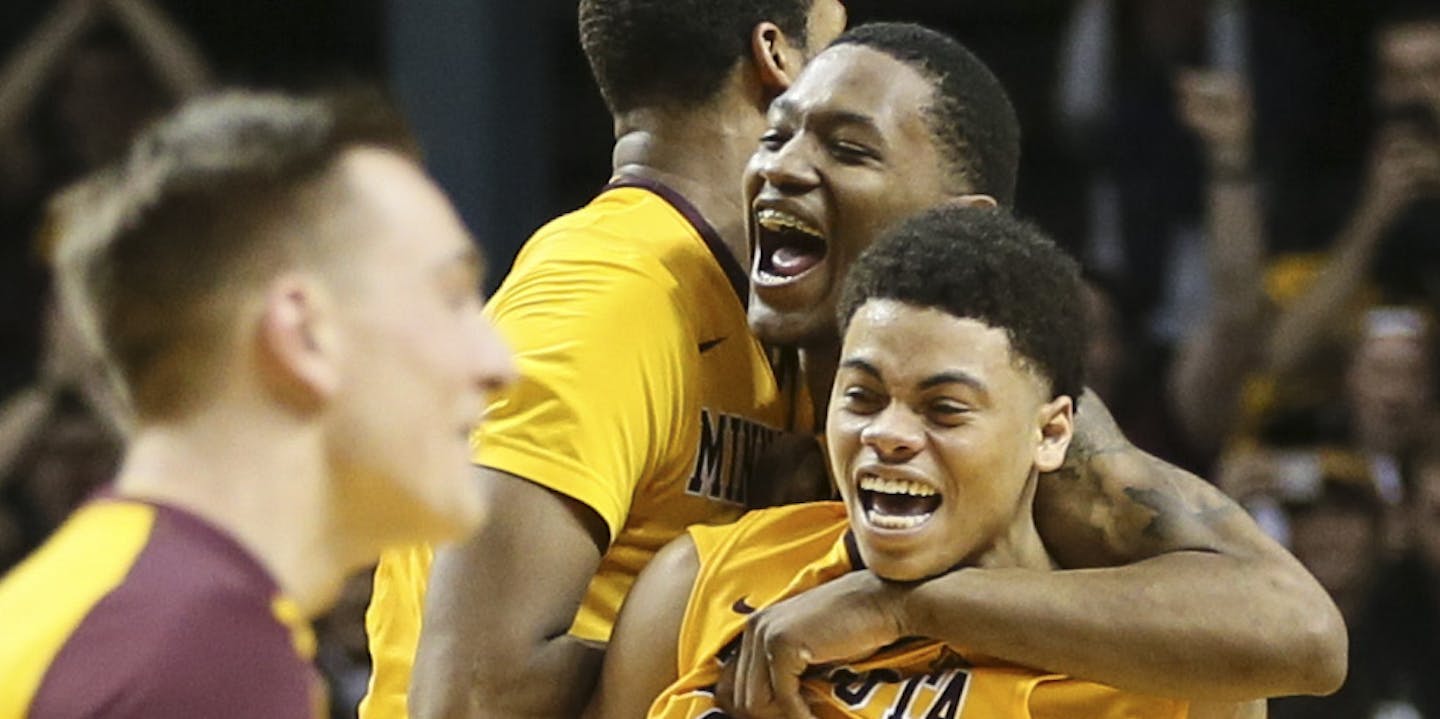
515,129
1253,187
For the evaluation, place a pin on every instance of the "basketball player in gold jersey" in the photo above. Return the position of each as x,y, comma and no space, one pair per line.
614,418
958,379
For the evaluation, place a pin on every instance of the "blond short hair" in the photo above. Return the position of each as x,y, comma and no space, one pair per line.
218,197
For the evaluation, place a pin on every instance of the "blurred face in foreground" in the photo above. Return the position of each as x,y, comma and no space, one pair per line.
418,358
936,431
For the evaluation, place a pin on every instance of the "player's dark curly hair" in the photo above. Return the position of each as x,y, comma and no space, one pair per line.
671,52
985,265
971,115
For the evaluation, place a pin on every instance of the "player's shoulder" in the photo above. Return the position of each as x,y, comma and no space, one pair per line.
630,225
794,519
194,585
764,532
620,220
191,626
611,262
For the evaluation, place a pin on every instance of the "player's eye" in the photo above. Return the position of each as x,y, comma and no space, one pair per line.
861,400
947,412
774,139
850,153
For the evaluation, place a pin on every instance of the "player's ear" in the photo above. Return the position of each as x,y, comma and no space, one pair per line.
777,61
973,199
299,342
1056,420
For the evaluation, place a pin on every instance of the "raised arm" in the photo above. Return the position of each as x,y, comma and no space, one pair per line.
1402,167
494,642
641,660
28,69
171,54
1210,368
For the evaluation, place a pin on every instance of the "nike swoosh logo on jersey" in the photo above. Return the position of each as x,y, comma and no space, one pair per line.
741,607
708,345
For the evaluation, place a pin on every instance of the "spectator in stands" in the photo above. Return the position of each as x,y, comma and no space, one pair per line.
72,95
1321,501
1272,331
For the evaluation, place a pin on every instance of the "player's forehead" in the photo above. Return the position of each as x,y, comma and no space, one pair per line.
390,199
854,80
916,343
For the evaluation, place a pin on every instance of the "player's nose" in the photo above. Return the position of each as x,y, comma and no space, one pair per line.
790,165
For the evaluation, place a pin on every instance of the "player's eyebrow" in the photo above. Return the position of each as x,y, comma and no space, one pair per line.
832,116
935,380
955,377
856,363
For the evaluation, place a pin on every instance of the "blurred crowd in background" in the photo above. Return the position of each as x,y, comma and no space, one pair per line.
1253,187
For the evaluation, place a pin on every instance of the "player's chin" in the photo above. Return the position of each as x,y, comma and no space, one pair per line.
453,504
457,515
791,327
892,564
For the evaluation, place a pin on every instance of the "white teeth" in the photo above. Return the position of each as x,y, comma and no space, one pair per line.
871,483
886,521
775,220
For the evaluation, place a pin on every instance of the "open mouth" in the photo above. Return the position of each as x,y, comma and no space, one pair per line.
897,503
787,245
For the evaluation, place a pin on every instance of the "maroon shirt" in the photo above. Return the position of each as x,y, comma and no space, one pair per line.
190,632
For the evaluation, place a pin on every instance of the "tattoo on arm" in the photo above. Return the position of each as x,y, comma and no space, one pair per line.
1111,503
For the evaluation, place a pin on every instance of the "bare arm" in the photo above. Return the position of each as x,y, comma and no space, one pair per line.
494,641
172,55
641,660
1217,609
30,67
1402,167
1207,608
22,417
1209,372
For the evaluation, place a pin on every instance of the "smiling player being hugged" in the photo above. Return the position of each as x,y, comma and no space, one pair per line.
959,375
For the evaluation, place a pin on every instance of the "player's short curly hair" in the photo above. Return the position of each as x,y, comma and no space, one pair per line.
971,115
671,52
983,264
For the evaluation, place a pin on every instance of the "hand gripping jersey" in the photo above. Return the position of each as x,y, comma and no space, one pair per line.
642,394
139,610
774,554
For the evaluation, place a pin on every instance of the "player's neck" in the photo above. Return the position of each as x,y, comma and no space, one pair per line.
699,154
1019,547
261,482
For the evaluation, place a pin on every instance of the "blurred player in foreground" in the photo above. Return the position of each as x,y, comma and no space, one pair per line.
959,374
290,307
